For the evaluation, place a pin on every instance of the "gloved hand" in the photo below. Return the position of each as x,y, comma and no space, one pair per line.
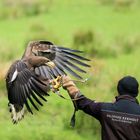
69,85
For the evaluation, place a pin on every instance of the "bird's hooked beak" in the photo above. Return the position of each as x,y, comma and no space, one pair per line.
50,64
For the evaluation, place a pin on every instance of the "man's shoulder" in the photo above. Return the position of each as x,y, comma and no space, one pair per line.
123,106
107,106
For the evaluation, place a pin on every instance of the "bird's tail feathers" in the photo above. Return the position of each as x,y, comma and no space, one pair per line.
16,115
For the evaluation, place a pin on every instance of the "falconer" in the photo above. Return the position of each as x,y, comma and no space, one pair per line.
119,120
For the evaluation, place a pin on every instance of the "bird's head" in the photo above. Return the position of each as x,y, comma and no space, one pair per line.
41,46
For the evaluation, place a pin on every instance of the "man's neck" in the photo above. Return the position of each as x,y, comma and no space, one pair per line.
127,97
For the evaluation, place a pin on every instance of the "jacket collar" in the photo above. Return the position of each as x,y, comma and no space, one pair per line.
126,97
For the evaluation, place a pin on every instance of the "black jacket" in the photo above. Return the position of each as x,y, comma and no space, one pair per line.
119,120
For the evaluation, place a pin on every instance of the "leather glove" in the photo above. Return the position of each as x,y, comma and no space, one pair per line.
69,85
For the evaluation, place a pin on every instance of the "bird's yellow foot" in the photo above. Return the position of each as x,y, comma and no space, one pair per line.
57,83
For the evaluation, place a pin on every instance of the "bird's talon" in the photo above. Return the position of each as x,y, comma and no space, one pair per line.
56,83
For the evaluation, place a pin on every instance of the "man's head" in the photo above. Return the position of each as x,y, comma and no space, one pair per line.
128,85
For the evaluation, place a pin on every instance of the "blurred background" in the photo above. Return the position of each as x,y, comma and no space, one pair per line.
108,31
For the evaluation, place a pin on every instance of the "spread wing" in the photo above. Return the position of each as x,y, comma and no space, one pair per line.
66,60
24,87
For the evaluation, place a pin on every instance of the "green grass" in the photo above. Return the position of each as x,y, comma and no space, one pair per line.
62,25
59,25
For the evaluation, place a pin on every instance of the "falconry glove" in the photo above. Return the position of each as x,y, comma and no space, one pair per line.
69,85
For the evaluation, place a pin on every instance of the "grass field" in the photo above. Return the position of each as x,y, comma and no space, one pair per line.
113,30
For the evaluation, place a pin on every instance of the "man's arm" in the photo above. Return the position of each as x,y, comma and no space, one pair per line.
83,103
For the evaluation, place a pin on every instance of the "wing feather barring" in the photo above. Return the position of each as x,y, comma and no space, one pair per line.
40,69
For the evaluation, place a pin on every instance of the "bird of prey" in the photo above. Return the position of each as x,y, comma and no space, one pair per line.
39,70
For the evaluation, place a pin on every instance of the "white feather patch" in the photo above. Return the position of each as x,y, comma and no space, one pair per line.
14,75
16,116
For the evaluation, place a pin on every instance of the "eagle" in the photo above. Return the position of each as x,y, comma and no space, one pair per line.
39,71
